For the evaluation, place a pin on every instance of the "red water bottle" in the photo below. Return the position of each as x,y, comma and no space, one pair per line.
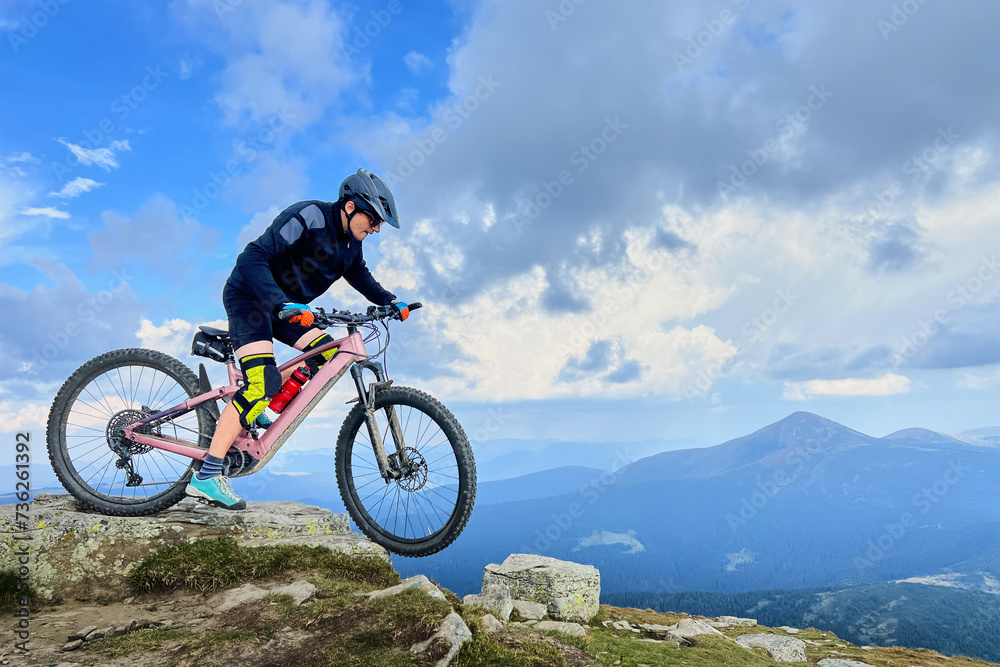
288,390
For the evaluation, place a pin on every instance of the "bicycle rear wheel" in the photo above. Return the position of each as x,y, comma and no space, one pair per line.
425,510
111,474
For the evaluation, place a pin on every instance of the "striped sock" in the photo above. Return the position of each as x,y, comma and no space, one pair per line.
211,467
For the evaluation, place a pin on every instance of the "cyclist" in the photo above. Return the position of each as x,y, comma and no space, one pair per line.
309,245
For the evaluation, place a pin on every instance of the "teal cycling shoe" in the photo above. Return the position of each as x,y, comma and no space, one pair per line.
216,491
263,422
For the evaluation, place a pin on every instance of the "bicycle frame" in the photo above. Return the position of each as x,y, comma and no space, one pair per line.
351,349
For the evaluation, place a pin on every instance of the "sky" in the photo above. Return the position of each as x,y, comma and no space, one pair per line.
666,220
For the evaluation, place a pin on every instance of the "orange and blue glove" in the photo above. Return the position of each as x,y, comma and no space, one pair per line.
297,313
402,309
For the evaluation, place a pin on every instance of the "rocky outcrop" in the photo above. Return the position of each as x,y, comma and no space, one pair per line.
836,662
570,591
782,649
574,629
77,553
454,632
530,611
689,627
732,622
495,597
419,581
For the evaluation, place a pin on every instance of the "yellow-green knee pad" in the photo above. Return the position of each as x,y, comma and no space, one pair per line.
262,382
314,363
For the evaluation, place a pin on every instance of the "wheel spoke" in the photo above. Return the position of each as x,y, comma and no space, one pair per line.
417,507
108,401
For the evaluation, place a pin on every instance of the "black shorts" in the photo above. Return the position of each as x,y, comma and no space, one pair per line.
250,321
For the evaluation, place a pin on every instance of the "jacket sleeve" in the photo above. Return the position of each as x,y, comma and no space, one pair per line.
255,261
360,278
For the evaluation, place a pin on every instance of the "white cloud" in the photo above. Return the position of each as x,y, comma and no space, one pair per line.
174,336
47,211
104,158
887,385
77,187
981,379
157,234
28,418
417,62
281,57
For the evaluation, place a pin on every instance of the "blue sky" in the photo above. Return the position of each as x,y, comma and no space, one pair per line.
683,221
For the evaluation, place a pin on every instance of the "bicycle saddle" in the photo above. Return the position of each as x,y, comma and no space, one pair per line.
217,333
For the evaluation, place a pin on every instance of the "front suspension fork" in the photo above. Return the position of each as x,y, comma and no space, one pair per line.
401,461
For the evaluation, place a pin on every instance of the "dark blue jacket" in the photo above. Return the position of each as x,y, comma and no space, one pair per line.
300,255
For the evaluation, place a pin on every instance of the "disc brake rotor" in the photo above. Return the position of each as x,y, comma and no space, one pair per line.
416,477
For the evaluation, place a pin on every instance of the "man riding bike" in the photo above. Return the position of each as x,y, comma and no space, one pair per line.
309,245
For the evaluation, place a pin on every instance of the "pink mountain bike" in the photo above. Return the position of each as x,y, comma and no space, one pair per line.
130,427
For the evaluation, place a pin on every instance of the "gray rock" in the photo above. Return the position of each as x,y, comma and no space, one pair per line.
731,622
419,581
530,611
301,591
495,597
690,627
95,634
621,625
570,591
81,634
661,632
782,649
491,624
119,631
574,629
454,631
81,553
237,596
836,662
72,646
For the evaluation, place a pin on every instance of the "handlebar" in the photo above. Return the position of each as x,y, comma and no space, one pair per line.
345,317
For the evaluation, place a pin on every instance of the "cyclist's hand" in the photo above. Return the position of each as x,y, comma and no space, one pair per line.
297,313
402,309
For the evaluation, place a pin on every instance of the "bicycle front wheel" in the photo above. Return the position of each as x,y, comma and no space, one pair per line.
427,508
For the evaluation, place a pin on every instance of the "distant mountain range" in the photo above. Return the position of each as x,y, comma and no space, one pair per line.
892,614
803,502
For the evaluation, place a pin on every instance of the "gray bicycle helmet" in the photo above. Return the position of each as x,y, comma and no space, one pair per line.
371,194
